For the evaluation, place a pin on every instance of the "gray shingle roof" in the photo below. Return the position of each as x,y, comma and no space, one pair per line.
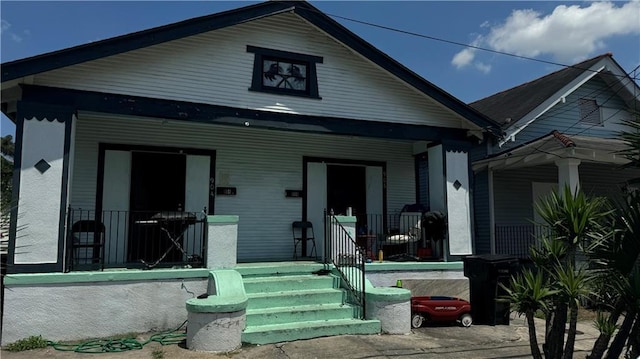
516,102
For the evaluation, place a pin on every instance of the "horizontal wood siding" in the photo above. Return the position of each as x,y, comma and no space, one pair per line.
513,195
482,220
215,68
261,164
565,117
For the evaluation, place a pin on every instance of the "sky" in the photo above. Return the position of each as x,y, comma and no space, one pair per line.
456,45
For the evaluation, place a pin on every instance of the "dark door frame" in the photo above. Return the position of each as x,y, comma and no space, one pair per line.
340,161
103,147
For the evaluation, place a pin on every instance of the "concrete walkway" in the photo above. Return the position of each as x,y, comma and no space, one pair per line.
446,341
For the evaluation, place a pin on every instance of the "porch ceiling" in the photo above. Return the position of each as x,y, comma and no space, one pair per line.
555,146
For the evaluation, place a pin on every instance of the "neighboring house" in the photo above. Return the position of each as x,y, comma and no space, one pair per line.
272,112
560,129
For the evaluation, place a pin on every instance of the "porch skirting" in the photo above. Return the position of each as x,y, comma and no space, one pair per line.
73,311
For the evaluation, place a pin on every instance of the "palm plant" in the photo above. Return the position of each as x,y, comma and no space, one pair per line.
573,286
529,293
573,220
615,259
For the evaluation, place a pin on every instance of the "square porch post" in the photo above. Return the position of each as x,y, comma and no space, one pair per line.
43,164
222,241
449,192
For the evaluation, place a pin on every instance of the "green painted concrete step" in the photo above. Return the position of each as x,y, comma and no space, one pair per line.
277,268
295,298
289,282
303,313
275,333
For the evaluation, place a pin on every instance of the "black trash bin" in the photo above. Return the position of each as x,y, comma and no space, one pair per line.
486,273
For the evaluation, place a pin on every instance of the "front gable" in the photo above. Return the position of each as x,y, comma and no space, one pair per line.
205,61
216,68
594,103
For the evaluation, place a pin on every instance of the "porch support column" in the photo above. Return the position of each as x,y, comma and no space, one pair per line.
568,174
222,241
449,192
41,177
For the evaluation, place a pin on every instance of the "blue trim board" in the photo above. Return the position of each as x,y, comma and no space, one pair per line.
342,34
87,52
214,114
138,40
17,164
63,195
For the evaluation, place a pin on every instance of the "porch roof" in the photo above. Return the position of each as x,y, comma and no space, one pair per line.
13,71
139,107
553,146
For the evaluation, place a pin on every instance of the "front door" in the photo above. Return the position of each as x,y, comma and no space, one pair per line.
157,184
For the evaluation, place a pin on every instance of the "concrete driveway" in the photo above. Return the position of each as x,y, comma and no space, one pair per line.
443,341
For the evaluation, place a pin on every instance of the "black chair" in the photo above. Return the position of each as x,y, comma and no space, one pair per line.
303,230
88,244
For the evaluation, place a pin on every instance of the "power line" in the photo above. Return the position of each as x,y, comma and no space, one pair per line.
539,147
451,42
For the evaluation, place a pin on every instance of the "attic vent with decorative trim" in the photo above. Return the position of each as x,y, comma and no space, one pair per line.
589,112
284,72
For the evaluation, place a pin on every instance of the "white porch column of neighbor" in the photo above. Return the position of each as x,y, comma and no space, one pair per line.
449,193
568,174
222,241
43,158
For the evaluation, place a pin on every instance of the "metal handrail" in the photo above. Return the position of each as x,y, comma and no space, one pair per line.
348,258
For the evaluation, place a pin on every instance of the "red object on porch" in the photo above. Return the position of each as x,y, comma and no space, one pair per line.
424,252
366,241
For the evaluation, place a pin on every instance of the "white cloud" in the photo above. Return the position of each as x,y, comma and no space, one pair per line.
4,29
463,58
4,25
568,34
484,68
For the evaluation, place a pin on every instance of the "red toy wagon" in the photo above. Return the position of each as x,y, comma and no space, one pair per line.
440,309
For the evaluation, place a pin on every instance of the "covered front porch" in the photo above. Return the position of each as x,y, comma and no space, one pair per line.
127,173
524,175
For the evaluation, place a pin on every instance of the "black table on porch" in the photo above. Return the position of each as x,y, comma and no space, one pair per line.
159,238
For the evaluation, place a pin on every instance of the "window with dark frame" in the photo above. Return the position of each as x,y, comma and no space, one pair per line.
284,72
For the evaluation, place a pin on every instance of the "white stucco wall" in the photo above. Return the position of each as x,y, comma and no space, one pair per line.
38,210
89,310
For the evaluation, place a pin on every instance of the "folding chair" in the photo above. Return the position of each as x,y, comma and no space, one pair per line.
303,231
88,244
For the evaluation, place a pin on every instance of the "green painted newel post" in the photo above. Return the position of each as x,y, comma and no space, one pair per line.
222,241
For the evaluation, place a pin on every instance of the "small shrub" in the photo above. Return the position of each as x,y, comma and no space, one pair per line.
32,342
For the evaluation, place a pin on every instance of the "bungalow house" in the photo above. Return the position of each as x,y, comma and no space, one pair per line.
561,129
195,145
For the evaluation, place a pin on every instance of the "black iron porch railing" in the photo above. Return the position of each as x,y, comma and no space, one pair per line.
348,258
134,239
517,239
399,237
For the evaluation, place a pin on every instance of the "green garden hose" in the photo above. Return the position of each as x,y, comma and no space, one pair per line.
98,346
